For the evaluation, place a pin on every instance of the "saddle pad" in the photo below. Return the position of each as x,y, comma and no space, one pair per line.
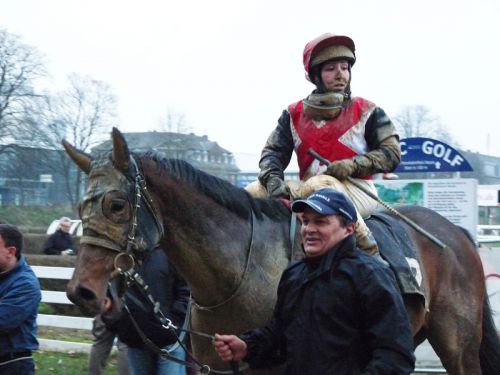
398,250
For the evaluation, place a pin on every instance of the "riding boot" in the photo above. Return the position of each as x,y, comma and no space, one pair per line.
366,241
364,238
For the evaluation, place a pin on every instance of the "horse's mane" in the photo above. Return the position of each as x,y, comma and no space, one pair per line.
221,191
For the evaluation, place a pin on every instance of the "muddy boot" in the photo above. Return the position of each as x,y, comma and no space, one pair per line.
364,238
366,241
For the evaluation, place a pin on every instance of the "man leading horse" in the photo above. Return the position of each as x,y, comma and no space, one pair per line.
339,311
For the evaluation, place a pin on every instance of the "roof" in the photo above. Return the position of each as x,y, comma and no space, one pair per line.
144,141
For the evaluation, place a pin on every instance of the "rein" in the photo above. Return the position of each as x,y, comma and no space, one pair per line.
245,271
133,277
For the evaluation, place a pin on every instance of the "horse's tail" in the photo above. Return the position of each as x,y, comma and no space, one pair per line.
489,352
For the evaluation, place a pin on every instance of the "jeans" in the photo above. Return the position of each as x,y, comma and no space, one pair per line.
144,361
18,367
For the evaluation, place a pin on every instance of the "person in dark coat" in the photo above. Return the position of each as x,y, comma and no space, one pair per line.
170,290
338,311
60,242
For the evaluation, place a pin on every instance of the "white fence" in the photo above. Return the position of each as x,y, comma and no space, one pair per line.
488,233
60,321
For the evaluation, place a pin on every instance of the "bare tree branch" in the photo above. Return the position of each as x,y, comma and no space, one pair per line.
20,66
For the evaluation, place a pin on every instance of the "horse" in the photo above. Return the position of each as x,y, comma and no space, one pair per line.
232,248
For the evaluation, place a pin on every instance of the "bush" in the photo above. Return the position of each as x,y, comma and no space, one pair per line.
46,308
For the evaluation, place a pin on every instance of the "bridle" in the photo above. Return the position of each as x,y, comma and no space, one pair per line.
141,194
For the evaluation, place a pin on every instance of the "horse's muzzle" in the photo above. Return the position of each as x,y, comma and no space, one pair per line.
84,298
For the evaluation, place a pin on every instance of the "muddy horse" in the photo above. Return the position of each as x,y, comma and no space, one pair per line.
232,249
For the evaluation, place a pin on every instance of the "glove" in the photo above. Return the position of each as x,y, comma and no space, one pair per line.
277,188
341,169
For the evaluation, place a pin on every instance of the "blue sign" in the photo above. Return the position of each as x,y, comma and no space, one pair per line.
430,155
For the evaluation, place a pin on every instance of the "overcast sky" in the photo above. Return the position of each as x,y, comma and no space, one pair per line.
232,66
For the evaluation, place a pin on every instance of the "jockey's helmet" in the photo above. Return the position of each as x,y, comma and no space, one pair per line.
328,47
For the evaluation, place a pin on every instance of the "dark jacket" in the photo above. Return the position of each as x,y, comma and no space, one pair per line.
168,288
57,242
341,314
19,299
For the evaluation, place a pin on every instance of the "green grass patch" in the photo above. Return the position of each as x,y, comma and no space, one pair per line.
32,216
68,363
65,334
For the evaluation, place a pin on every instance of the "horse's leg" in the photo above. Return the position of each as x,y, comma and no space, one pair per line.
455,341
453,281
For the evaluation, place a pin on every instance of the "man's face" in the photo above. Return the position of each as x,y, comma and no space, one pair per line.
320,233
7,256
65,227
335,76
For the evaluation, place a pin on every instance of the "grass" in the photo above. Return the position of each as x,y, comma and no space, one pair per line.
65,334
52,363
32,216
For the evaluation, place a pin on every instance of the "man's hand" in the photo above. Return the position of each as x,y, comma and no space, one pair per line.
230,347
341,169
277,188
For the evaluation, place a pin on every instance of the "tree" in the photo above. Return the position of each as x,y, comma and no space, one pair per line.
174,122
82,114
20,66
418,121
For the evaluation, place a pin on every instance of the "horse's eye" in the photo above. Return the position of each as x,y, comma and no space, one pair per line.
116,207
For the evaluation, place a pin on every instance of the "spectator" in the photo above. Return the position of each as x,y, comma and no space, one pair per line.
338,311
60,242
169,289
101,348
19,299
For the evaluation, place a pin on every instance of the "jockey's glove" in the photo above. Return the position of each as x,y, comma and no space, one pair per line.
277,188
341,169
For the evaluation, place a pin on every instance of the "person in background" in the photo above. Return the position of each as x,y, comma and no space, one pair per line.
339,311
170,290
103,342
60,242
19,299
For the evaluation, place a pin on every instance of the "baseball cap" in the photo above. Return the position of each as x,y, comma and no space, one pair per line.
327,202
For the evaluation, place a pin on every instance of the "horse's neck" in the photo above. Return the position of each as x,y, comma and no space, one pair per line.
206,242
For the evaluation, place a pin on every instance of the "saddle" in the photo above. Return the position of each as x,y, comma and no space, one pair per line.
396,247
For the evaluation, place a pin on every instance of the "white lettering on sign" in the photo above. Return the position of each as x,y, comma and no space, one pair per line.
441,151
402,145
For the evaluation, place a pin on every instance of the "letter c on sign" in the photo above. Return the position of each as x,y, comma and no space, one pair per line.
402,145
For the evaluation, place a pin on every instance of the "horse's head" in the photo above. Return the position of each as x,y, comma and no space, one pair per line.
115,202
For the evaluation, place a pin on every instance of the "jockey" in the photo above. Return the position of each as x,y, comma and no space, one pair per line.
353,133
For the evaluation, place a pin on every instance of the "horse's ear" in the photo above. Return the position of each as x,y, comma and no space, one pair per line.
79,157
120,151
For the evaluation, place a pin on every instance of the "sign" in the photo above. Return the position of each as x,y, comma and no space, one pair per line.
430,155
488,195
455,199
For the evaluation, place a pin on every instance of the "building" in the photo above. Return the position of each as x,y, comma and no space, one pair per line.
37,176
199,151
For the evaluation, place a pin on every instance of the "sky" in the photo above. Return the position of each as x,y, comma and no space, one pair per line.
231,66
